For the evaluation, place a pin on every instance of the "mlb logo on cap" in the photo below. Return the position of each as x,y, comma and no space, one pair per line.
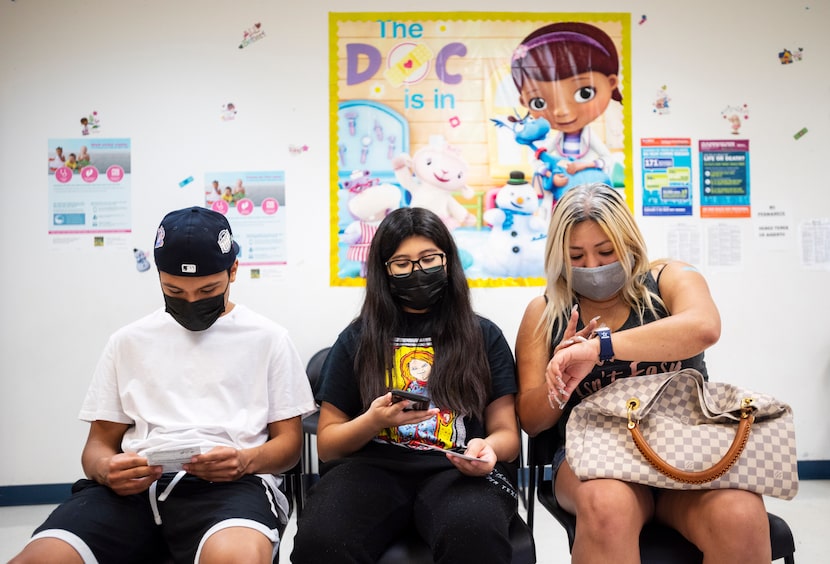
194,242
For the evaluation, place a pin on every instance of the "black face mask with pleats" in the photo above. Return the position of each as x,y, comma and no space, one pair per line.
198,315
421,289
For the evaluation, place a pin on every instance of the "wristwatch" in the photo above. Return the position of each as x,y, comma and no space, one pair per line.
606,349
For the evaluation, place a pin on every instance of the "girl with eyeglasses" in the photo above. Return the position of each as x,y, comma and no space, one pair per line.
389,466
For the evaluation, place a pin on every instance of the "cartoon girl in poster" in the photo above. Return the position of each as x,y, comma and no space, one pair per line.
567,73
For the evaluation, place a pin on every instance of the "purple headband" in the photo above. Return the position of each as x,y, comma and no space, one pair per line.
558,37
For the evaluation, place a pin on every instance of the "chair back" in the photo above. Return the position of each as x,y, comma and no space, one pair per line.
315,367
540,451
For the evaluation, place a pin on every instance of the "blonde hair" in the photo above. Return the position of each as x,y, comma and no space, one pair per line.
604,205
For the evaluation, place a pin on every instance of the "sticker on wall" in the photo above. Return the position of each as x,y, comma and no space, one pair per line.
735,115
252,34
643,19
660,106
90,124
185,182
800,133
228,111
786,57
141,262
297,149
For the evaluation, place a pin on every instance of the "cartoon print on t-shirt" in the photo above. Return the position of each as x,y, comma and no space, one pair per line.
413,365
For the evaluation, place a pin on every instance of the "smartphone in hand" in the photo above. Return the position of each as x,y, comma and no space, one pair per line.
451,452
419,402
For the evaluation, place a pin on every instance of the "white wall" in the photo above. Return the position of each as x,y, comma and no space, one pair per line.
155,69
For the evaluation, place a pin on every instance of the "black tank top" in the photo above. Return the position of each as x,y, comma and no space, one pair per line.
604,373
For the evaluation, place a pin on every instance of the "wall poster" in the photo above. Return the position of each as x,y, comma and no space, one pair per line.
254,203
724,178
484,118
667,176
89,193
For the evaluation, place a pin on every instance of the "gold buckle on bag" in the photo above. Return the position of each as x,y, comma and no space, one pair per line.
633,404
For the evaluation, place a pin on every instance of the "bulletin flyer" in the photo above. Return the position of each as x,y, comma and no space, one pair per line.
89,193
667,176
434,110
254,203
724,173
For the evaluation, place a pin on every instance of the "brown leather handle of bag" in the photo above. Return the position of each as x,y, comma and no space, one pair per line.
704,476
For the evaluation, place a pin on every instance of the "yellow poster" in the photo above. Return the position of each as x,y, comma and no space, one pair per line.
483,118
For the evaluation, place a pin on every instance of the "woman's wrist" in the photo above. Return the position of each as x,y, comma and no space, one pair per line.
595,347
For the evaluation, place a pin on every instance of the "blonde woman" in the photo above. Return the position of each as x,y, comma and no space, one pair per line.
608,313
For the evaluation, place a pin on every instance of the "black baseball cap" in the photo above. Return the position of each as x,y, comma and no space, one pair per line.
194,242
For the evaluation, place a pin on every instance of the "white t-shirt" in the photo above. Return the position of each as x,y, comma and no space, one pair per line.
181,388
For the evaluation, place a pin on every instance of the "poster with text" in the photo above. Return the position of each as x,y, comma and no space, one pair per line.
724,178
89,193
486,119
254,203
667,176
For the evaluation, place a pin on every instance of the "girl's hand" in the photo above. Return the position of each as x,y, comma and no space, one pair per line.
571,335
483,452
386,414
568,367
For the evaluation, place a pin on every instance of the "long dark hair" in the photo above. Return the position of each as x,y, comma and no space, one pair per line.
460,376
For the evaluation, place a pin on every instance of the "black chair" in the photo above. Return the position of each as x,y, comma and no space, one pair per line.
308,476
659,544
292,487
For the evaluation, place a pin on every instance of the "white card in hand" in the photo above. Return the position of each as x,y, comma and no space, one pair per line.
171,460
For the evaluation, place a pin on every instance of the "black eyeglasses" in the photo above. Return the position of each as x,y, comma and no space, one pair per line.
401,268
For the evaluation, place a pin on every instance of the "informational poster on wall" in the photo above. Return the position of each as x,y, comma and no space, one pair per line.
485,119
667,176
89,203
254,203
724,173
815,243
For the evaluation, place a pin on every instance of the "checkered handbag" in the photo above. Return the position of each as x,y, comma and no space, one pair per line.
675,430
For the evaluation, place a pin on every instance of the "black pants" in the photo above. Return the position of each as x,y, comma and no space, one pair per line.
359,508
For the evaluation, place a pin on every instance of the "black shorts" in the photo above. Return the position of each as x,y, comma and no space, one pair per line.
104,526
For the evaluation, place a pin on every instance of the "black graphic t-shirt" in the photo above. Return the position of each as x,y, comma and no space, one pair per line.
413,361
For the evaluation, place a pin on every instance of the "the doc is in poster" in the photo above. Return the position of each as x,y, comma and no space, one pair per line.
89,193
484,118
254,203
724,178
667,176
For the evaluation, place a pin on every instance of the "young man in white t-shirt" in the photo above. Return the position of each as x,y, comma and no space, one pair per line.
193,409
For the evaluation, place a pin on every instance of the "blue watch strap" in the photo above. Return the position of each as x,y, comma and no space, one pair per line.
606,349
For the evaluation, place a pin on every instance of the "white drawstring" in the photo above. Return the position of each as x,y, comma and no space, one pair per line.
164,495
169,489
154,503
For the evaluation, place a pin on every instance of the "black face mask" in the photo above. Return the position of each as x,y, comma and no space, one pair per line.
421,289
198,315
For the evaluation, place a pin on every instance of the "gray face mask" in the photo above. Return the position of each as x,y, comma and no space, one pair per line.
598,283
